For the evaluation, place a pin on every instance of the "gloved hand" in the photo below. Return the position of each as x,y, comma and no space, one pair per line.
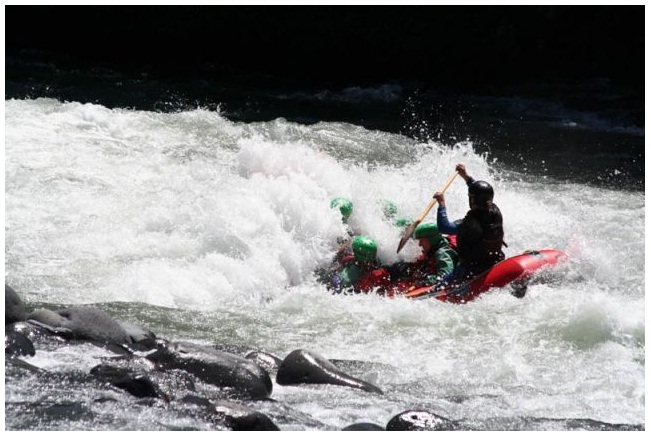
440,198
336,282
461,168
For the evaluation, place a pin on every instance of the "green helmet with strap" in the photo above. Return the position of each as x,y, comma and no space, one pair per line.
345,207
429,231
364,248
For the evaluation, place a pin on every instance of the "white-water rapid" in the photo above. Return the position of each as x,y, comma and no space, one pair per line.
208,230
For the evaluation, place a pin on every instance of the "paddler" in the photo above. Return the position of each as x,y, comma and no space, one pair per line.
437,259
345,207
390,211
362,272
480,235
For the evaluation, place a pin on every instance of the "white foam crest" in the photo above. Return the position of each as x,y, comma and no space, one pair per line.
191,211
282,159
540,342
128,186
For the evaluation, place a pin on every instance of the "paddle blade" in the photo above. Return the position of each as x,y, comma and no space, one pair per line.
407,235
420,293
412,227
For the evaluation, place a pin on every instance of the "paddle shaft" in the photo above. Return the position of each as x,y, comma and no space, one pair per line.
433,202
412,227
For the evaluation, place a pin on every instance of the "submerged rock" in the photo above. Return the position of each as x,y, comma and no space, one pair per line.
234,416
17,343
137,384
364,426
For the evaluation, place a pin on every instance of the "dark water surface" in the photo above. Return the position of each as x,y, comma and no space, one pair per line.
546,90
589,132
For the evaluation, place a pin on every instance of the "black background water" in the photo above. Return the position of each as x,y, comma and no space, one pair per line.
546,89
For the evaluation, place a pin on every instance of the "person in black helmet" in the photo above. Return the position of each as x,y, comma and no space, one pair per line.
480,235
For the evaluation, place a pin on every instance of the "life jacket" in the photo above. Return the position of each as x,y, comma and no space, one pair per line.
442,257
452,241
346,258
480,238
376,279
423,266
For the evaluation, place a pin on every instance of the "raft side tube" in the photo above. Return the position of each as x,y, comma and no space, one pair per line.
514,269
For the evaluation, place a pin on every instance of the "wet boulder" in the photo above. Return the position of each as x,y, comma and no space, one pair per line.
420,420
135,383
267,361
305,367
17,343
81,323
363,426
233,416
14,306
240,377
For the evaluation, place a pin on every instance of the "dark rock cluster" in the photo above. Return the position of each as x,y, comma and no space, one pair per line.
224,386
154,369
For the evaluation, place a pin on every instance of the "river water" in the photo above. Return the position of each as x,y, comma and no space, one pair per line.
208,228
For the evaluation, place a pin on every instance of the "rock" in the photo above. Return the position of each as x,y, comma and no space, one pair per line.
305,367
420,420
241,377
14,306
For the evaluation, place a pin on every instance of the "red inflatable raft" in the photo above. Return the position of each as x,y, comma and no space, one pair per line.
515,271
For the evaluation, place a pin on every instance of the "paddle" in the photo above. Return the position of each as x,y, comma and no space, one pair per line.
410,229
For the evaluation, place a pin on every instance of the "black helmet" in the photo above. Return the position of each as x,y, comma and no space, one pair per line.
480,192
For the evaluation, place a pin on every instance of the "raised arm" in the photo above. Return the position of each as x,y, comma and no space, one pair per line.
442,221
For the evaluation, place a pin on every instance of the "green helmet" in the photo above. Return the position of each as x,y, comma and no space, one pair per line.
429,231
345,207
364,248
403,222
389,209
